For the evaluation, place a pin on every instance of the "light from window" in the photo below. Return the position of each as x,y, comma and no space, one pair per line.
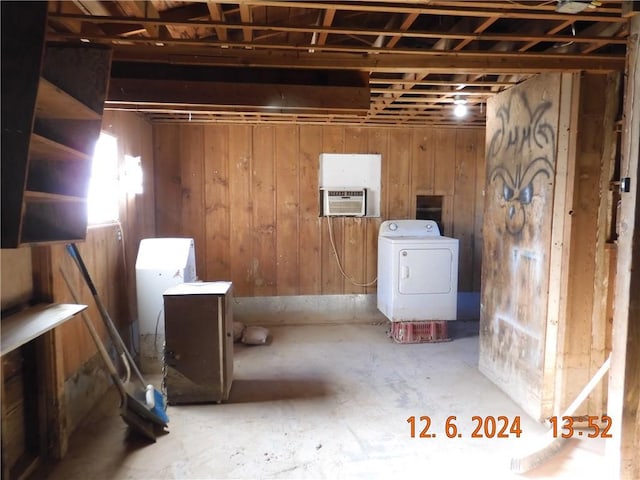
132,175
103,186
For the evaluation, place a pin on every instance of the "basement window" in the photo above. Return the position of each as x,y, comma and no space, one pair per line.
103,194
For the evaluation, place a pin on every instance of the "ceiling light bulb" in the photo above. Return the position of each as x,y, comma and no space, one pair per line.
460,110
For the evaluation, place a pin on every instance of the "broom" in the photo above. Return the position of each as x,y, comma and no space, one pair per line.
152,397
132,412
551,444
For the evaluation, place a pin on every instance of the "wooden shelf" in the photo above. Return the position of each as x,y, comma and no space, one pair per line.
54,102
42,148
24,326
33,196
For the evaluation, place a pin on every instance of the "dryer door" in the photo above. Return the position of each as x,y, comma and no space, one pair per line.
425,270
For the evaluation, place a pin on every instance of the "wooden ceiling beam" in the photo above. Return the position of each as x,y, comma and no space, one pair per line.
478,30
327,21
443,83
417,61
247,18
247,27
461,9
217,15
140,8
192,95
404,26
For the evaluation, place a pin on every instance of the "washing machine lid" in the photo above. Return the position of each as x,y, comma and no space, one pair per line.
409,228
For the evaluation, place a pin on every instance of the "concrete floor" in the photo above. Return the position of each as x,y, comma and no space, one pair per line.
330,402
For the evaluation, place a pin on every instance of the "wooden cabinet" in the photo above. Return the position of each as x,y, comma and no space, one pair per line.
198,323
52,102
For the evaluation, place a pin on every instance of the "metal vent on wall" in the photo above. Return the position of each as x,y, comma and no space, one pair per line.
344,202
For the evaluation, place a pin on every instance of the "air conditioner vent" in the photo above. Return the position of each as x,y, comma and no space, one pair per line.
344,202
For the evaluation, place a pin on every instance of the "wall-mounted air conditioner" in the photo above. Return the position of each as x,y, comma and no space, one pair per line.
345,202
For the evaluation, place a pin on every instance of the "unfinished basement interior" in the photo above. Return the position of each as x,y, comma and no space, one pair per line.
320,239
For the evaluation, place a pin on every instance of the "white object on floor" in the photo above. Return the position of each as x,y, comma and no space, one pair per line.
417,271
255,335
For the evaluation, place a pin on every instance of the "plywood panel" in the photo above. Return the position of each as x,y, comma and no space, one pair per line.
192,189
217,206
17,284
422,173
168,192
263,267
463,205
287,195
398,175
444,161
240,212
522,131
309,269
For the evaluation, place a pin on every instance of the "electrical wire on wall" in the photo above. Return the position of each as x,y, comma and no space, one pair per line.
335,252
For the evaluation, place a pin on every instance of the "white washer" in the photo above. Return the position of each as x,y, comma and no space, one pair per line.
417,271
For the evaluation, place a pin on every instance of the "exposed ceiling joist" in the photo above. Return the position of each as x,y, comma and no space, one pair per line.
418,55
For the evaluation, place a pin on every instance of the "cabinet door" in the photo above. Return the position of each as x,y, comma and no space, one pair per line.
194,350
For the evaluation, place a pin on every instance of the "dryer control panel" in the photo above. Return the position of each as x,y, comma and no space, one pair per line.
409,228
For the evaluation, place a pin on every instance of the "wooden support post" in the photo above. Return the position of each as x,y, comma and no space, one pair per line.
624,380
50,357
560,244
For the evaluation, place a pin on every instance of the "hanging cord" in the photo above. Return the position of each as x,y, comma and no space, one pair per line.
335,252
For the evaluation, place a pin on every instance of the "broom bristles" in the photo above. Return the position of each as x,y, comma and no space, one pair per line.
159,407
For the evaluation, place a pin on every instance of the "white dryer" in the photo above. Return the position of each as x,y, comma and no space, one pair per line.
417,271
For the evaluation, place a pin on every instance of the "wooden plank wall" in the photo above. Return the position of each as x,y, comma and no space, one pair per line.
522,134
248,195
584,337
137,215
17,283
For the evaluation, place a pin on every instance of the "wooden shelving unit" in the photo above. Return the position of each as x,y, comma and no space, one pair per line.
47,149
54,102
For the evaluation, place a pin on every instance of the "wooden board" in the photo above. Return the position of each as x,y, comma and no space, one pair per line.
463,199
192,190
54,102
263,266
444,161
310,268
216,207
398,174
17,282
240,237
26,325
522,132
287,212
167,154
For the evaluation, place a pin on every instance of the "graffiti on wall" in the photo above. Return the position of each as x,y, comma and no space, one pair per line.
524,145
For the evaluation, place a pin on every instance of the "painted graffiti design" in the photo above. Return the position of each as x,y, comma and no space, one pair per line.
530,149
